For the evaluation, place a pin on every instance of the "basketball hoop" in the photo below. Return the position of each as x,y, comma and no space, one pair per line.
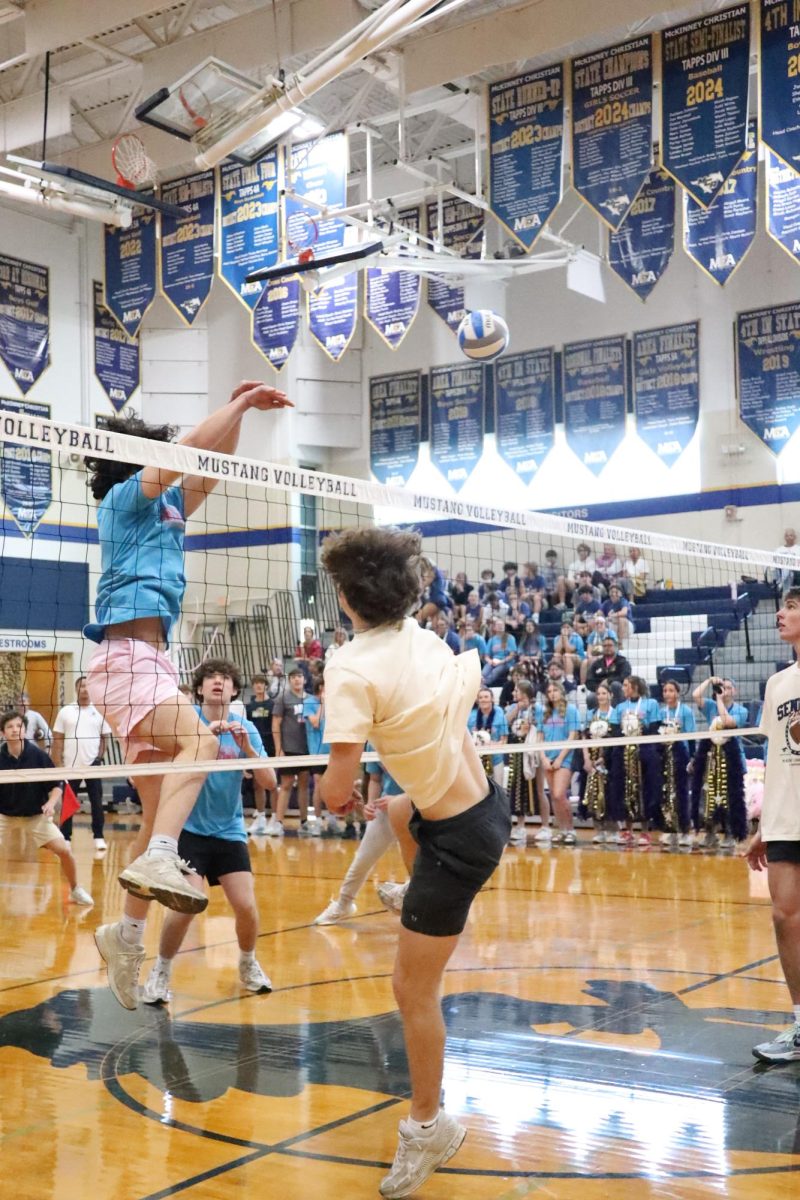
131,163
195,103
302,232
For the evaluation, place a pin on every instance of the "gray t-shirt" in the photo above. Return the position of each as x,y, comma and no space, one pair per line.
289,710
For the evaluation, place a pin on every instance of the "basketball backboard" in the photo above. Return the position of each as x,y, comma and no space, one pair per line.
82,186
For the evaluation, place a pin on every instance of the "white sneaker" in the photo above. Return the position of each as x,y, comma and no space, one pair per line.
784,1048
337,910
274,827
253,978
259,824
418,1157
79,895
569,838
391,895
518,835
156,990
100,844
545,834
160,877
600,838
686,839
123,962
315,826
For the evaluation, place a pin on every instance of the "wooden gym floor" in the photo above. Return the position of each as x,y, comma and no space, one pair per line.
601,1009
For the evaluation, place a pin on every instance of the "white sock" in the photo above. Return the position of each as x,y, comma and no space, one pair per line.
422,1128
797,1014
162,846
163,964
131,931
247,956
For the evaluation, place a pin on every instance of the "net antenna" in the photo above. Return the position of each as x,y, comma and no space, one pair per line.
130,161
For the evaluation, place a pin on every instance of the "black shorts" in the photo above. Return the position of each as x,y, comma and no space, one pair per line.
213,857
783,852
289,772
456,858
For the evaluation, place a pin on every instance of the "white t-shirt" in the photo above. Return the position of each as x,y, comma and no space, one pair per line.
401,688
780,811
82,728
581,564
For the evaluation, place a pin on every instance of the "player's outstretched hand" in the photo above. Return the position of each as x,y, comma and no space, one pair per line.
261,396
756,853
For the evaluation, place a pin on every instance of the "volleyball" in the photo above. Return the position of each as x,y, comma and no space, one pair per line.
483,335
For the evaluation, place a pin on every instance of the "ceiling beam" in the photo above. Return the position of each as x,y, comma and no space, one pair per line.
53,23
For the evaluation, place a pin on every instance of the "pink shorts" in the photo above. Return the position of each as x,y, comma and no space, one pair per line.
127,679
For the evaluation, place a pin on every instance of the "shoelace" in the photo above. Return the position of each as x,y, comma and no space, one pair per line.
790,1036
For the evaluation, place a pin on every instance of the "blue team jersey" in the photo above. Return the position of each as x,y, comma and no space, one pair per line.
218,809
314,737
496,649
556,728
390,786
498,729
141,553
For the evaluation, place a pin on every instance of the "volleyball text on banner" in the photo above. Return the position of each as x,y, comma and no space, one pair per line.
187,244
783,204
391,298
641,248
462,230
130,270
26,474
116,356
705,78
276,321
394,425
524,394
779,75
718,237
526,150
666,388
768,372
595,398
457,399
24,320
248,222
612,126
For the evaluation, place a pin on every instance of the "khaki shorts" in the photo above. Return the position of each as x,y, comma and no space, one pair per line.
40,829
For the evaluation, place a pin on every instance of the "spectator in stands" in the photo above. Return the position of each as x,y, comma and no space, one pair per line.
79,740
583,562
340,639
610,667
609,567
532,646
521,719
442,628
722,702
598,631
786,578
569,646
474,608
676,717
585,602
289,733
586,579
277,679
487,583
534,587
510,578
637,570
556,674
558,721
637,775
487,723
434,593
36,728
310,647
259,713
501,655
459,590
494,606
471,640
518,612
555,580
619,613
724,805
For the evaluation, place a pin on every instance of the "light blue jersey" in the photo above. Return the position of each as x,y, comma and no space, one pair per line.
497,729
218,809
390,787
314,737
557,728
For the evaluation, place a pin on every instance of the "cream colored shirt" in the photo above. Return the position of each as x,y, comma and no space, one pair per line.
401,688
780,811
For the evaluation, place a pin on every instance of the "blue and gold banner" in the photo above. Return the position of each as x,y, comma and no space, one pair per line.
525,420
187,244
612,126
526,150
130,270
248,212
276,321
462,230
768,372
718,237
457,399
783,204
24,320
391,300
116,356
779,78
666,388
26,474
641,248
705,79
595,397
395,403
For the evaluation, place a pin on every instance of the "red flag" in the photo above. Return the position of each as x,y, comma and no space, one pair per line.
69,805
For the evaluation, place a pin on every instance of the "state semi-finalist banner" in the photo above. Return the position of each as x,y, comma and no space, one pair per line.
640,250
24,320
526,150
705,78
768,372
391,298
395,403
595,397
666,388
525,415
612,126
116,356
462,229
718,237
248,222
783,204
26,476
779,78
130,270
457,399
187,244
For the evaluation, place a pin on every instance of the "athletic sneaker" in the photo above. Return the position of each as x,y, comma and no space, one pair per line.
785,1047
79,895
644,840
544,836
160,877
728,843
156,990
259,824
569,838
123,962
274,827
315,826
253,978
418,1157
518,836
711,840
100,844
600,838
686,840
391,895
337,910
625,837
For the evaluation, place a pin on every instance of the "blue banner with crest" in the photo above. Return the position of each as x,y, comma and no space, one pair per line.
783,204
462,230
26,473
457,401
130,270
249,234
394,425
595,397
525,422
666,388
779,78
116,356
640,250
768,372
24,320
187,244
276,321
391,300
718,237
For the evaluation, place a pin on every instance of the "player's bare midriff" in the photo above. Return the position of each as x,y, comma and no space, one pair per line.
141,629
469,787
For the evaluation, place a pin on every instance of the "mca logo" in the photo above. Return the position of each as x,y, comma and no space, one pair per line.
531,221
708,184
776,433
24,374
131,314
723,262
250,289
643,278
665,448
116,393
457,473
595,456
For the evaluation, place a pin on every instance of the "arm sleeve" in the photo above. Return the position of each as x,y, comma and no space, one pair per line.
58,724
348,704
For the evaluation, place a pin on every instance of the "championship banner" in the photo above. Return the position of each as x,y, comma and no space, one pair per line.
768,372
187,244
391,300
457,398
394,425
26,479
612,127
130,270
595,395
462,230
718,237
666,388
116,356
248,221
641,248
526,150
276,321
24,320
783,204
525,421
705,79
778,74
